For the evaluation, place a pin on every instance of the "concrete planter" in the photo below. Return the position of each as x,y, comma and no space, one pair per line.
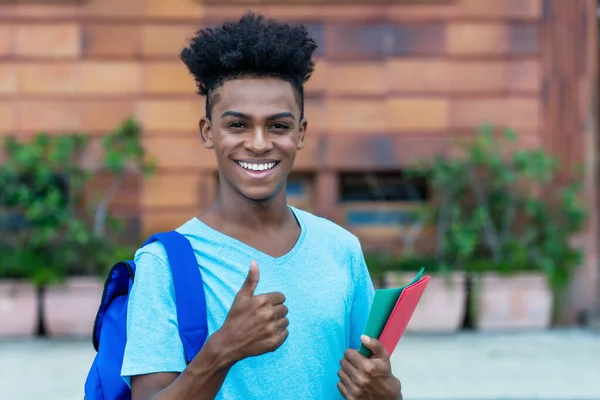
443,304
516,302
18,309
70,308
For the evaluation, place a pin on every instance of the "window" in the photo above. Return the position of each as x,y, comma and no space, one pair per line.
386,187
381,205
299,191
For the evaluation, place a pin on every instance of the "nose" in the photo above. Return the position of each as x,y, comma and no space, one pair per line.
258,142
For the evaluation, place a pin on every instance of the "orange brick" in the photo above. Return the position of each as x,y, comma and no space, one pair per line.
524,75
171,190
48,116
305,12
407,11
173,9
6,40
316,115
9,81
462,76
318,81
357,116
488,8
423,75
88,77
114,8
168,77
307,157
477,38
48,78
110,77
501,8
112,40
166,40
417,114
357,78
104,115
7,117
516,113
477,76
180,152
524,8
48,40
160,221
32,9
171,115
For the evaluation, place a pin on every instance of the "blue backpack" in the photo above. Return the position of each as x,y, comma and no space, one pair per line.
104,380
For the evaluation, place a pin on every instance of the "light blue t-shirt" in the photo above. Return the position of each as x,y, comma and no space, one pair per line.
328,293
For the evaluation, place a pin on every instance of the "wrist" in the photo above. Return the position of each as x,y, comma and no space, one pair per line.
223,349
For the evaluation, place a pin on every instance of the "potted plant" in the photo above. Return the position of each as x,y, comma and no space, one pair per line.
93,246
442,306
505,218
62,248
18,298
36,206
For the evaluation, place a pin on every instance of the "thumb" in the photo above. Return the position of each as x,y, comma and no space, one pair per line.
251,281
377,349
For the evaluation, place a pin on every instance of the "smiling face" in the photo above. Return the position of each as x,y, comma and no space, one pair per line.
255,131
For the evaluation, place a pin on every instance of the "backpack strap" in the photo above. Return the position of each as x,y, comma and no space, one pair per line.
189,291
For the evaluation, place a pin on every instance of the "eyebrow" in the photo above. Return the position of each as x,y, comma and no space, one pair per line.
246,116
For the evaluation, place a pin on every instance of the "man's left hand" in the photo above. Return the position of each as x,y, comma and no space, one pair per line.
364,378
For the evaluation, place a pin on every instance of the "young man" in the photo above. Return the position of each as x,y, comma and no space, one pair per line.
288,293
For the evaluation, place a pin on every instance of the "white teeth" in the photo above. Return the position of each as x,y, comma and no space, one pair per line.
256,167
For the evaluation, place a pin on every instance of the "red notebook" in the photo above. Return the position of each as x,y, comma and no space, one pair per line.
402,313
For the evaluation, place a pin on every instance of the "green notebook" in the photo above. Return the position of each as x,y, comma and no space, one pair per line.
383,304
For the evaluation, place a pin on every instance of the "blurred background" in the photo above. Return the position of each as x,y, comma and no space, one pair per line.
455,135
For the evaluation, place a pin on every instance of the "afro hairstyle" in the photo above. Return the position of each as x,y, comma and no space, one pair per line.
251,47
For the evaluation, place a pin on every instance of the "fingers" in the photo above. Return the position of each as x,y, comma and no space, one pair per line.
282,323
344,391
345,385
356,359
251,281
350,370
280,311
377,349
274,298
282,337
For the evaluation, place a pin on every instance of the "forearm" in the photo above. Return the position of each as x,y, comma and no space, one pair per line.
203,377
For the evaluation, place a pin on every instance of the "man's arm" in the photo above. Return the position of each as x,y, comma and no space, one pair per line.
154,356
201,380
361,377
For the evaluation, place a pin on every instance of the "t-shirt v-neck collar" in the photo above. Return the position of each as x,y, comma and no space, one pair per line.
257,254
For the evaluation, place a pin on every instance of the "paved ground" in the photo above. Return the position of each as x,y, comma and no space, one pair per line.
549,365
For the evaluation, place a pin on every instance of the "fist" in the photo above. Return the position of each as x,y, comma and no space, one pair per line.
255,324
368,378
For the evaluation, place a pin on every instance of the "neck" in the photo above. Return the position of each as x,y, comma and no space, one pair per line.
234,209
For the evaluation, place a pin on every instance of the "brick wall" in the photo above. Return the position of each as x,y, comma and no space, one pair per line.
410,76
394,83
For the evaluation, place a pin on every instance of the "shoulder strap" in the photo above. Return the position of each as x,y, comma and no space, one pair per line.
189,291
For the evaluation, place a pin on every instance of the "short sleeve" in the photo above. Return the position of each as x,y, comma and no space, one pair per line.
153,343
362,298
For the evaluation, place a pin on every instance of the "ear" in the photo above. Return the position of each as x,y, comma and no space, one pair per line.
206,133
301,133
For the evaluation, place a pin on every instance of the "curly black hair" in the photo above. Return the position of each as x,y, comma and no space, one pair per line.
251,47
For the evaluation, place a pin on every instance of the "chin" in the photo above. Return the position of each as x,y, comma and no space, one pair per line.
263,194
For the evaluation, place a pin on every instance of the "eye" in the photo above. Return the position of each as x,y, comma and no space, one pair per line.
279,126
237,125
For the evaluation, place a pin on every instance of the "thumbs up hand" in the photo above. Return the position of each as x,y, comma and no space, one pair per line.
255,324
